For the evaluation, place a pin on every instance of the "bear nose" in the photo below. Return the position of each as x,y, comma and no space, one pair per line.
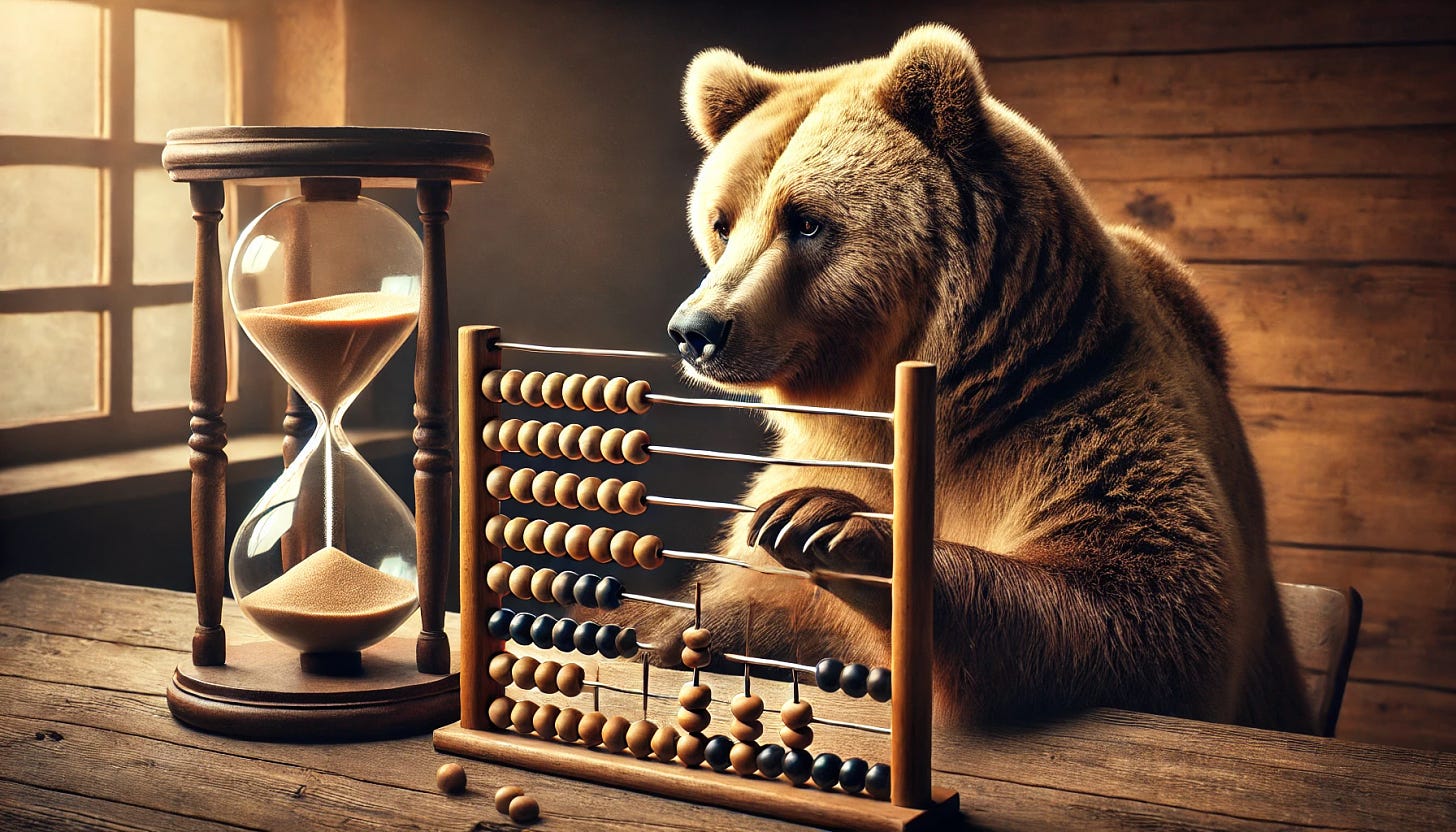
698,334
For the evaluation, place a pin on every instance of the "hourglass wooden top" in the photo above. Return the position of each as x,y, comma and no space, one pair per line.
380,156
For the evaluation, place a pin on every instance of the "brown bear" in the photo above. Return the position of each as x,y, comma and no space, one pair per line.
1100,529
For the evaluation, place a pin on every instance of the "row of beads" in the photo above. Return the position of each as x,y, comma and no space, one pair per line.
603,545
592,443
576,391
569,490
527,672
565,634
642,738
854,679
548,586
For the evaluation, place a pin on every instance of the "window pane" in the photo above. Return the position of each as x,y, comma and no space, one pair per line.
181,72
164,235
52,365
50,218
160,356
50,68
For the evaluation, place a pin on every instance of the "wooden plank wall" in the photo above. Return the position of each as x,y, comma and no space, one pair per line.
1300,156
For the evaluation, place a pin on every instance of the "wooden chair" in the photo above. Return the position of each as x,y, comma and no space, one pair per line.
1323,626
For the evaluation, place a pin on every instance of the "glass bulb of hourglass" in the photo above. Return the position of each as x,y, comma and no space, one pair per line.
328,289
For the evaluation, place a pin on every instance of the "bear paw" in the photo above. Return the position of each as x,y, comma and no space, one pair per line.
815,528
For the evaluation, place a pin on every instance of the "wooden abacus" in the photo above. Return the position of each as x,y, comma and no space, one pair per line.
588,745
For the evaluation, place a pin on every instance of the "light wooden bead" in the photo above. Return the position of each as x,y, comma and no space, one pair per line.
698,638
521,485
637,396
541,584
796,715
498,577
510,386
543,488
515,533
528,437
590,443
499,711
747,707
615,395
571,391
450,778
612,446
695,697
690,749
570,441
556,539
544,722
633,497
648,551
614,733
504,795
500,668
608,495
524,809
600,545
569,680
498,482
591,727
592,394
495,529
568,725
520,581
744,758
545,676
746,731
797,737
535,537
523,672
578,538
551,389
639,738
566,486
695,659
490,435
664,743
531,388
693,720
586,493
523,716
490,385
623,544
549,438
634,447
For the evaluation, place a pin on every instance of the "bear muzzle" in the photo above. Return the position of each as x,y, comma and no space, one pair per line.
699,334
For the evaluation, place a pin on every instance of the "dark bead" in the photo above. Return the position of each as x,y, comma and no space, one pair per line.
854,680
586,637
500,622
771,761
852,775
521,627
826,770
609,593
607,641
562,589
877,781
798,765
561,635
586,589
627,643
879,684
541,630
826,674
716,752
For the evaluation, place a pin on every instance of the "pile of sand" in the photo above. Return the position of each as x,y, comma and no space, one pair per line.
331,602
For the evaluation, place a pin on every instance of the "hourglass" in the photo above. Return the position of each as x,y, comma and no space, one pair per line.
330,562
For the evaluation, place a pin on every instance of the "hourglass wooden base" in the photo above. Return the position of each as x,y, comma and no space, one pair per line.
264,693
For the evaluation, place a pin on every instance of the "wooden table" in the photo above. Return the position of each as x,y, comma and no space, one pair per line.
86,742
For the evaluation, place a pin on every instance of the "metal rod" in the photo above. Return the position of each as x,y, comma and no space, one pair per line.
648,599
684,502
601,686
755,459
697,622
600,353
645,694
817,574
858,726
661,398
761,662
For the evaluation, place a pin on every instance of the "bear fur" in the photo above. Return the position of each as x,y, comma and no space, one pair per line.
1100,532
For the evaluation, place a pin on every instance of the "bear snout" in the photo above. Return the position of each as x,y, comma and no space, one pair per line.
699,334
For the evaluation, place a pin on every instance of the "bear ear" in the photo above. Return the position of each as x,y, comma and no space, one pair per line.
934,86
720,88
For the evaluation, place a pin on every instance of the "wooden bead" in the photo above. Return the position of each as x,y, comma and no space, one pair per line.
450,778
586,493
567,725
796,714
877,781
878,684
639,738
555,539
490,385
571,391
548,439
544,722
826,770
609,495
546,675
695,659
747,707
744,758
854,680
495,529
520,581
798,765
498,577
615,394
746,730
510,435
600,544
690,749
500,667
523,672
531,388
510,386
524,809
570,441
499,711
623,544
521,485
523,716
569,680
515,533
578,539
698,638
797,737
634,447
541,585
716,752
498,482
637,396
614,733
694,697
590,443
529,437
664,743
852,775
648,551
612,446
551,390
490,435
566,486
504,795
591,727
592,394
771,761
693,720
535,536
543,488
633,497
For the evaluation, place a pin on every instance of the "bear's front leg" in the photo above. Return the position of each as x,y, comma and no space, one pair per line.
816,528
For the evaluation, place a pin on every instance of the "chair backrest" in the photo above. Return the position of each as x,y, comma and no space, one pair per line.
1323,625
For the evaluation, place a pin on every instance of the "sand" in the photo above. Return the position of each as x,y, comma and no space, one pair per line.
330,347
331,602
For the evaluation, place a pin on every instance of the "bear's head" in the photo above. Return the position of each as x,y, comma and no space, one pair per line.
828,208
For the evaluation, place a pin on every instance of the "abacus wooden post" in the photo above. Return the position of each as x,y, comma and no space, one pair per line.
912,593
209,432
477,554
433,466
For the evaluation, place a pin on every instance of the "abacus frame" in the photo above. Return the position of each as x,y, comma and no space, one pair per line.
914,802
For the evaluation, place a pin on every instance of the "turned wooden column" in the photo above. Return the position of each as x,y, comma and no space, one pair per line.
209,432
434,479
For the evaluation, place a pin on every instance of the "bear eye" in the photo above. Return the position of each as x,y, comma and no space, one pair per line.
721,228
807,226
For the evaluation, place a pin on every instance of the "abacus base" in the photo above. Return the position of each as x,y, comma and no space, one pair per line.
755,795
265,692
